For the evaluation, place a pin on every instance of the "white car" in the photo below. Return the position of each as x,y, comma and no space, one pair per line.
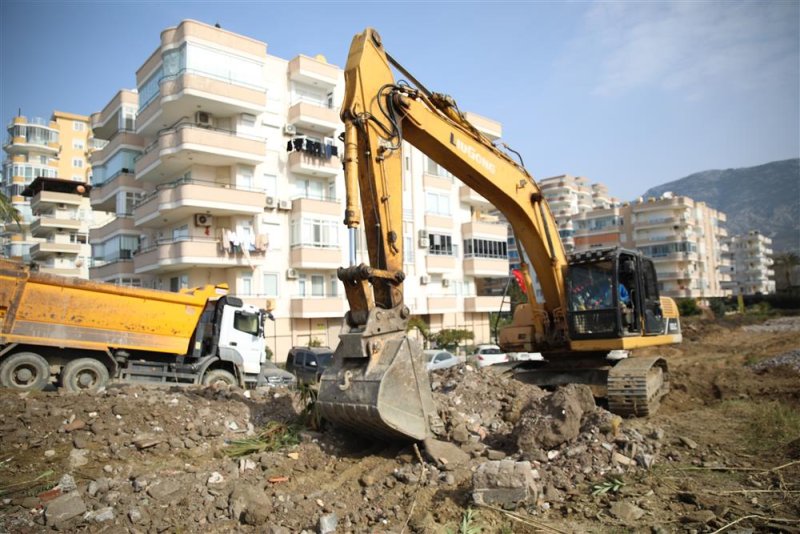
441,359
525,357
486,355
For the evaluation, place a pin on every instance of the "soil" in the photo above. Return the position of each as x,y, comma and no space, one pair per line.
723,452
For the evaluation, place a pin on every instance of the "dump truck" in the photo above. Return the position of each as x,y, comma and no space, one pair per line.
85,333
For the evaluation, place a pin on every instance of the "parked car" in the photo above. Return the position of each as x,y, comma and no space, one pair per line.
486,355
308,363
272,376
441,359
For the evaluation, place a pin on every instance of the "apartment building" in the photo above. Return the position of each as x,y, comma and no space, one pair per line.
57,148
569,196
224,166
750,258
684,238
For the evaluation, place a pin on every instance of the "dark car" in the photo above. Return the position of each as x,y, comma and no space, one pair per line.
272,376
308,363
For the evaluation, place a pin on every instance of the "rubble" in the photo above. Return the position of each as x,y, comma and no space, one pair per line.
505,483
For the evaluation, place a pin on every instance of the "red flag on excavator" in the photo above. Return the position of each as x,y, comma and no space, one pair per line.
520,279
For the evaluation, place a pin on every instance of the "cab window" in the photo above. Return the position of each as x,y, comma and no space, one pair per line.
246,322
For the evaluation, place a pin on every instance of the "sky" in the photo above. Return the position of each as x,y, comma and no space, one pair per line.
630,94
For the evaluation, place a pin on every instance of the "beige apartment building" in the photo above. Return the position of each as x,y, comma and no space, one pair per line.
683,237
750,257
224,166
52,235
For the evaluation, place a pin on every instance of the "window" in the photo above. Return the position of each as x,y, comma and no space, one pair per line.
246,322
78,126
43,160
246,285
441,245
334,286
315,233
77,163
77,144
437,203
77,178
271,185
270,285
176,283
317,285
485,248
181,233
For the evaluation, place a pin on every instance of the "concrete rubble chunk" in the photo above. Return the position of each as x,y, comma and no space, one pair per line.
64,508
505,483
445,453
699,516
100,515
164,489
688,442
327,523
249,505
555,419
626,512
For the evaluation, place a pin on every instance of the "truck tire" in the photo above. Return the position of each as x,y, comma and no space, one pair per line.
25,371
84,374
222,376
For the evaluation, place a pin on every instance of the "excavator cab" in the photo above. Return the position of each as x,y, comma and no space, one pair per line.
612,293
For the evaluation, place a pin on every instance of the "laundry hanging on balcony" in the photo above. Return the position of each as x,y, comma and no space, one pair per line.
310,146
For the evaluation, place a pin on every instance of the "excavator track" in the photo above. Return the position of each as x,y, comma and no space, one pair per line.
637,385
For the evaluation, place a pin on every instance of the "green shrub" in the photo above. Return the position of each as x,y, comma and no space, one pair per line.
687,307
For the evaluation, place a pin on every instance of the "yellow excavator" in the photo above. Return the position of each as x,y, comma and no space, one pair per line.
598,305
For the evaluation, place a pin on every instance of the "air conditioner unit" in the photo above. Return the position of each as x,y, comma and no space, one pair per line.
422,242
272,202
291,274
422,234
289,129
424,279
201,219
203,118
445,282
285,204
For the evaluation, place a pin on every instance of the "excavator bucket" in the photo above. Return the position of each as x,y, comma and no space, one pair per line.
378,385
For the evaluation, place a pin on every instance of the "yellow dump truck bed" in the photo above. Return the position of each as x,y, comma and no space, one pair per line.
44,309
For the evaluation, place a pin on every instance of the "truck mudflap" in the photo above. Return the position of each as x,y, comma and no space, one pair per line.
386,394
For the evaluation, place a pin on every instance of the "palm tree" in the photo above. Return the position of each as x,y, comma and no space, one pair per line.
8,212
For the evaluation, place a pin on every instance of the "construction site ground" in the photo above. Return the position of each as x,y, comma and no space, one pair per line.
721,455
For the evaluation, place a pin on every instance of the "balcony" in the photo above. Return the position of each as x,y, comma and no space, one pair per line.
183,198
112,269
314,117
51,248
442,264
60,271
311,71
121,224
49,198
676,256
311,257
309,207
103,197
440,222
674,275
122,139
190,144
483,267
431,181
485,304
304,163
182,95
314,307
442,304
105,122
19,145
485,230
470,197
44,226
183,253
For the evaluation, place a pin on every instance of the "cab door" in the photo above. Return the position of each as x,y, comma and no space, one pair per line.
240,333
653,315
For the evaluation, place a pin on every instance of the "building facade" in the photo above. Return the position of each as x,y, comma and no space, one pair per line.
53,149
750,259
683,237
224,166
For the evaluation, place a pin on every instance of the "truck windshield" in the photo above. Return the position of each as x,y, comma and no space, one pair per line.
246,322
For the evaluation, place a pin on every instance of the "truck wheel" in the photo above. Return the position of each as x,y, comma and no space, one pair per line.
25,371
219,376
84,374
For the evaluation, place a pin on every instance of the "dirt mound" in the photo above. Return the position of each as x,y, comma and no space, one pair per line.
554,419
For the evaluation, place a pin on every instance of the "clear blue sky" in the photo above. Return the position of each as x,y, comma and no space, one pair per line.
631,94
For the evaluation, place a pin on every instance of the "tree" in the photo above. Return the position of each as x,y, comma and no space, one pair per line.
8,212
785,263
417,322
451,338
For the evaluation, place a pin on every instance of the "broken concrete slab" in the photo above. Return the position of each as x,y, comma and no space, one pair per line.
505,483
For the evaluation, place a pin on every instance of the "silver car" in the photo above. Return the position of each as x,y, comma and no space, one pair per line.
441,359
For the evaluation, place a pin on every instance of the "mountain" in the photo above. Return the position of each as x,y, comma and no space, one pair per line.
764,198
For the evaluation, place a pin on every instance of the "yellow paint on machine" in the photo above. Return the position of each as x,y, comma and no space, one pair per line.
625,343
43,309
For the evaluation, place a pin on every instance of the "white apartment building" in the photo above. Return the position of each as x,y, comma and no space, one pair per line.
53,156
223,166
750,257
